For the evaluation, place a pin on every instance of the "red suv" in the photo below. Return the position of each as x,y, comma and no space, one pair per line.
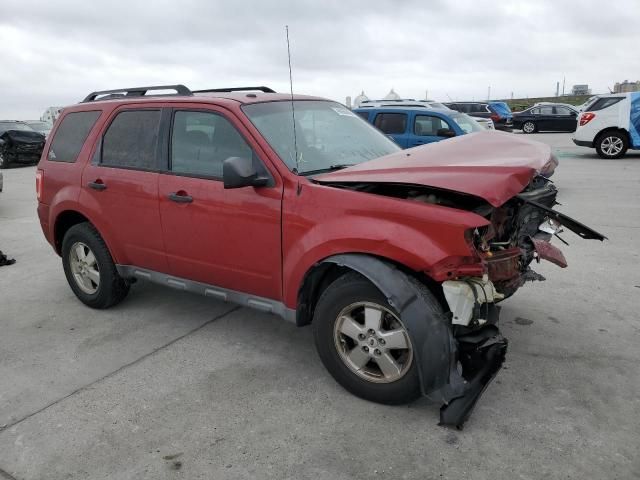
296,206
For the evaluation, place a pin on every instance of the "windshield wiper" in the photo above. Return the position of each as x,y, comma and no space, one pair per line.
330,168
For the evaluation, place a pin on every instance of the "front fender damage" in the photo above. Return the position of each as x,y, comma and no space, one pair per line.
455,363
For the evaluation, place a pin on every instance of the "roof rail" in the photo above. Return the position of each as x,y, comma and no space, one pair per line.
236,89
137,92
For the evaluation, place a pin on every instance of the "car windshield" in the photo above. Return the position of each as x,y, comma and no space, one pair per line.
328,136
466,123
4,126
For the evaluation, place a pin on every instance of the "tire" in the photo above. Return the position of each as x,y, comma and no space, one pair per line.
81,268
612,145
529,127
334,347
4,162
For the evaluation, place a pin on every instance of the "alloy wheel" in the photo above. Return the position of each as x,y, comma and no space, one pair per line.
612,146
529,127
372,342
84,268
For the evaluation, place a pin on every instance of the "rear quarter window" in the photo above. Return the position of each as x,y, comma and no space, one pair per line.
603,103
391,123
71,135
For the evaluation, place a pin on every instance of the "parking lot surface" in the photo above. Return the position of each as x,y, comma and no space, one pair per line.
171,385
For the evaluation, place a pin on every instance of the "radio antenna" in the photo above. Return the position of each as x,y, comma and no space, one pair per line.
293,110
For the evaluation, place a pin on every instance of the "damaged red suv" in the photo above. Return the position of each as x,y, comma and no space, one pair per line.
298,207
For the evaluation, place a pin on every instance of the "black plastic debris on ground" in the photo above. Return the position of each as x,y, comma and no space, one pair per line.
4,260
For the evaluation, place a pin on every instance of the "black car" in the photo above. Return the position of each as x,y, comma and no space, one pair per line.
19,143
550,118
499,112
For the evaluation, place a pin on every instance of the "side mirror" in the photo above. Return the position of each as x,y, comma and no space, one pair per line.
238,172
445,132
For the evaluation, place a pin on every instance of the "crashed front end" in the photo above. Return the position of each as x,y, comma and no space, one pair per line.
519,232
19,146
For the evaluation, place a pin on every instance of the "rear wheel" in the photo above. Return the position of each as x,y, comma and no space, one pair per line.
363,342
4,162
529,127
89,268
612,145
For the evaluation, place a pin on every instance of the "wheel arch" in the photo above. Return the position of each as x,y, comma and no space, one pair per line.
67,219
606,130
374,268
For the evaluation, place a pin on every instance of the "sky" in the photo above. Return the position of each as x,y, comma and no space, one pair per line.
54,52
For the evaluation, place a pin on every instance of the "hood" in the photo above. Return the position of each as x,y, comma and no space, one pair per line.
23,136
495,166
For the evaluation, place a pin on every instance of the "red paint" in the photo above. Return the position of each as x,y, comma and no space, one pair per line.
549,252
494,166
264,240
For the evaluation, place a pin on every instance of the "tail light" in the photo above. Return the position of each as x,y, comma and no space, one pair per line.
495,117
39,180
586,117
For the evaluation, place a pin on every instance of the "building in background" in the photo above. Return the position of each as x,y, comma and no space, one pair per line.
626,86
581,90
359,99
50,114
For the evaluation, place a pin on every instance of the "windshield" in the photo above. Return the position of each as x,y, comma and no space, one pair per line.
4,126
466,123
328,136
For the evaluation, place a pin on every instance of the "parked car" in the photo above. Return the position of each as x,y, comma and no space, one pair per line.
396,257
557,104
411,126
546,117
498,112
40,126
403,102
611,125
19,143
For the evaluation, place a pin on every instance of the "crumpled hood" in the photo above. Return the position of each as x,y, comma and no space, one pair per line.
23,136
495,166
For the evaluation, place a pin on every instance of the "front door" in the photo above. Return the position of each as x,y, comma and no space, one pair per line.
425,129
227,238
565,119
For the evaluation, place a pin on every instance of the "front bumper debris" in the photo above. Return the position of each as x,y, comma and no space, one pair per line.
481,354
469,299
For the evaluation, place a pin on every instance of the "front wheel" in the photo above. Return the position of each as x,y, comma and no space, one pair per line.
529,127
363,343
4,162
89,268
612,145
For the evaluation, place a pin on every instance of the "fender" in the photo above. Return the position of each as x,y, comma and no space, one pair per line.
435,346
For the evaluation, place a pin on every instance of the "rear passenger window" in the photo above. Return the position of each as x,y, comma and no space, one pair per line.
603,103
131,140
391,123
428,125
71,135
202,141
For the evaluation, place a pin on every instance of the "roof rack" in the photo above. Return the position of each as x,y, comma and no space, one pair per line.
236,89
137,92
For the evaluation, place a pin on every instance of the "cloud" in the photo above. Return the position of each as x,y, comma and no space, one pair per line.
54,53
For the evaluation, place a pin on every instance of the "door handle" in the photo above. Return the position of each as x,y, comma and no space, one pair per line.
180,197
97,185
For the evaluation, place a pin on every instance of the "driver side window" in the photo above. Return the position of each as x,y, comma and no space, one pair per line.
202,141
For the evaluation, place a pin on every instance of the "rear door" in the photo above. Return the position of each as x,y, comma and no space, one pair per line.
227,238
395,125
120,187
565,120
425,129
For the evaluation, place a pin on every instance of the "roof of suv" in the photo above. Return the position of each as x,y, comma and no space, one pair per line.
243,95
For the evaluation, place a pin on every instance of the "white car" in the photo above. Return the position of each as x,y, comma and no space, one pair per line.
610,124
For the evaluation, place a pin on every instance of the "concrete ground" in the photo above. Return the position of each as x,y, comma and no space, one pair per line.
169,385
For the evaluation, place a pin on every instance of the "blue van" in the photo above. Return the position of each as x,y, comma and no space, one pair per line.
413,126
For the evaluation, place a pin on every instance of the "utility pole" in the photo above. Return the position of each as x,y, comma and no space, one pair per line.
563,79
557,88
489,92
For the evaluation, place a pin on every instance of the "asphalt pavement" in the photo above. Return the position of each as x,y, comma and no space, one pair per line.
170,385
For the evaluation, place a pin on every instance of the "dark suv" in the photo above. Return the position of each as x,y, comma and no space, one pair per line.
499,112
298,207
19,143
